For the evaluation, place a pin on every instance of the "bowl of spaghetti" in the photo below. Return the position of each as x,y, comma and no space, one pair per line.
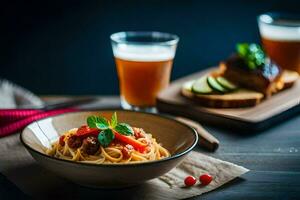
107,148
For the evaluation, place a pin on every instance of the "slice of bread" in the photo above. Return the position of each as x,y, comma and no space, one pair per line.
289,78
239,98
236,99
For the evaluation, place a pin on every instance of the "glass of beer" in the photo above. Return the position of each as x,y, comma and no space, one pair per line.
280,34
144,62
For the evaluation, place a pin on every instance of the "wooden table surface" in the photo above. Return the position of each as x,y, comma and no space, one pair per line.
273,156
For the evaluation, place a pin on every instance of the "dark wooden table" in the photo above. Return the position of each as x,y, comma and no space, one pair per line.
273,156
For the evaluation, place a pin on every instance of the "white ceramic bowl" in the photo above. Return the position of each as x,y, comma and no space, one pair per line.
177,137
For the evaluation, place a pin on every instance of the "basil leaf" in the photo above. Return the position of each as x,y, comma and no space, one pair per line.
102,123
124,129
114,120
105,137
242,49
97,122
92,121
252,54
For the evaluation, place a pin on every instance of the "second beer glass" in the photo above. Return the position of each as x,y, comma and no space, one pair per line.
281,38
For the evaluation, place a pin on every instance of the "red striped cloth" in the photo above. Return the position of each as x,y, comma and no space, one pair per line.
14,120
8,116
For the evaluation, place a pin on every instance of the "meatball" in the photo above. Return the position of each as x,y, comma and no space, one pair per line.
90,145
74,142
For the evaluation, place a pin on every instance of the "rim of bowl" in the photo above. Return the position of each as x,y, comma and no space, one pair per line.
177,155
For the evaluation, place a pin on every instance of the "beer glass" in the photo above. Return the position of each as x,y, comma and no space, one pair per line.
280,34
144,62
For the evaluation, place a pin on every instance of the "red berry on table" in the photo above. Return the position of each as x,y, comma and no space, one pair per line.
190,181
205,179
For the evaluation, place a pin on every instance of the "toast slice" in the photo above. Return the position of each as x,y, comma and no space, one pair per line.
289,78
236,99
239,98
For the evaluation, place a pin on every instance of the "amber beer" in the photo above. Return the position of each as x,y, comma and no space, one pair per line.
281,41
143,71
284,52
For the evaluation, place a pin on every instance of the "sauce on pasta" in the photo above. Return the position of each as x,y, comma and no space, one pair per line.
107,142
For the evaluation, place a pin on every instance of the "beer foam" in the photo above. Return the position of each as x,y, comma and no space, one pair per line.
145,53
274,32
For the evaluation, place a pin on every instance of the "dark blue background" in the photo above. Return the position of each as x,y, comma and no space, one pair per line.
63,47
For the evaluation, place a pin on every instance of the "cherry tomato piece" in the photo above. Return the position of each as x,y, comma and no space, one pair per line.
190,181
87,131
205,179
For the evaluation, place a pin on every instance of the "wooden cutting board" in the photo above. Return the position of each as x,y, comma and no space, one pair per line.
264,115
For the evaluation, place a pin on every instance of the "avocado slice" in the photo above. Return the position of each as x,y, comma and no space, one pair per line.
213,83
201,86
226,83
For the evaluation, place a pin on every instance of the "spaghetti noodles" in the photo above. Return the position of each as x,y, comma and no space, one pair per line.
87,148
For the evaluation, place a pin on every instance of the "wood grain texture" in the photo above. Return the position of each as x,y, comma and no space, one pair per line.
282,105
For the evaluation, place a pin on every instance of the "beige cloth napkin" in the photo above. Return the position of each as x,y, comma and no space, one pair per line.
197,164
20,168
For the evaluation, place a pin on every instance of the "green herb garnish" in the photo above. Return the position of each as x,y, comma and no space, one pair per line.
106,135
124,129
252,53
114,120
97,122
